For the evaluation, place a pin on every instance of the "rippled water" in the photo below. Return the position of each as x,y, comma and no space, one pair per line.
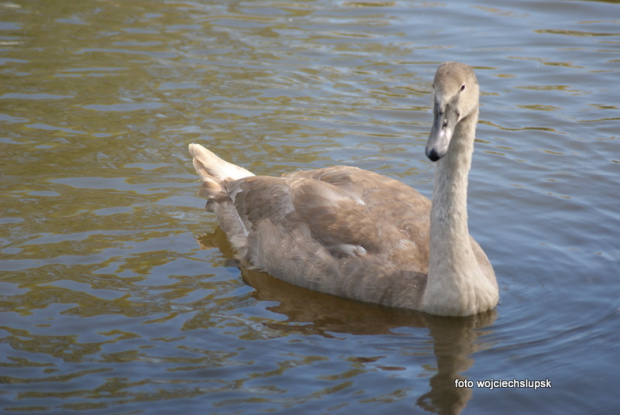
117,291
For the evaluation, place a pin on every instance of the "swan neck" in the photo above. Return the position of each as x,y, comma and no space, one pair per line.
449,210
453,269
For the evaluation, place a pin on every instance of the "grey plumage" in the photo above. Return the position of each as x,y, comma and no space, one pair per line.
357,234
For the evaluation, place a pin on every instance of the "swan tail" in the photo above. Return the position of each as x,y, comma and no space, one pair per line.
214,172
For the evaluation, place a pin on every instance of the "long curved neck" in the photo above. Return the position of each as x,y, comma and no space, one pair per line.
453,268
449,210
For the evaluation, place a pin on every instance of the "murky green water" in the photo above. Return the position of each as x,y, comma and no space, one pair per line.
117,291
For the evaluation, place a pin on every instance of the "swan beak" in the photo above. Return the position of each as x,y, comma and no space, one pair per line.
441,134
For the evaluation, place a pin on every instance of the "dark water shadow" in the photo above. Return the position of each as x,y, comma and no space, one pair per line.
455,339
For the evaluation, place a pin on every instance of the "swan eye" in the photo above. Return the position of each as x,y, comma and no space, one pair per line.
462,87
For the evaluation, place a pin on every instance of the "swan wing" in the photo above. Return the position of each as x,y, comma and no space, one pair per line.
345,211
341,230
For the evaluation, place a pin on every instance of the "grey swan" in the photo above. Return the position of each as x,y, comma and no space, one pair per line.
357,234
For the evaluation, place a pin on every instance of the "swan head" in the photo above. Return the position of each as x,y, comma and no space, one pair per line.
455,98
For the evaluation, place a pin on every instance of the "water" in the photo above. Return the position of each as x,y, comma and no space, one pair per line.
118,294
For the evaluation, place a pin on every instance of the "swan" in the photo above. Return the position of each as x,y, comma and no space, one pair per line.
357,234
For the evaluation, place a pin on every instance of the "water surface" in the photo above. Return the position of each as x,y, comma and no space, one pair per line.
119,294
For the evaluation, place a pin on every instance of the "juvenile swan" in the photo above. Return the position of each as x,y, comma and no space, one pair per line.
354,233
